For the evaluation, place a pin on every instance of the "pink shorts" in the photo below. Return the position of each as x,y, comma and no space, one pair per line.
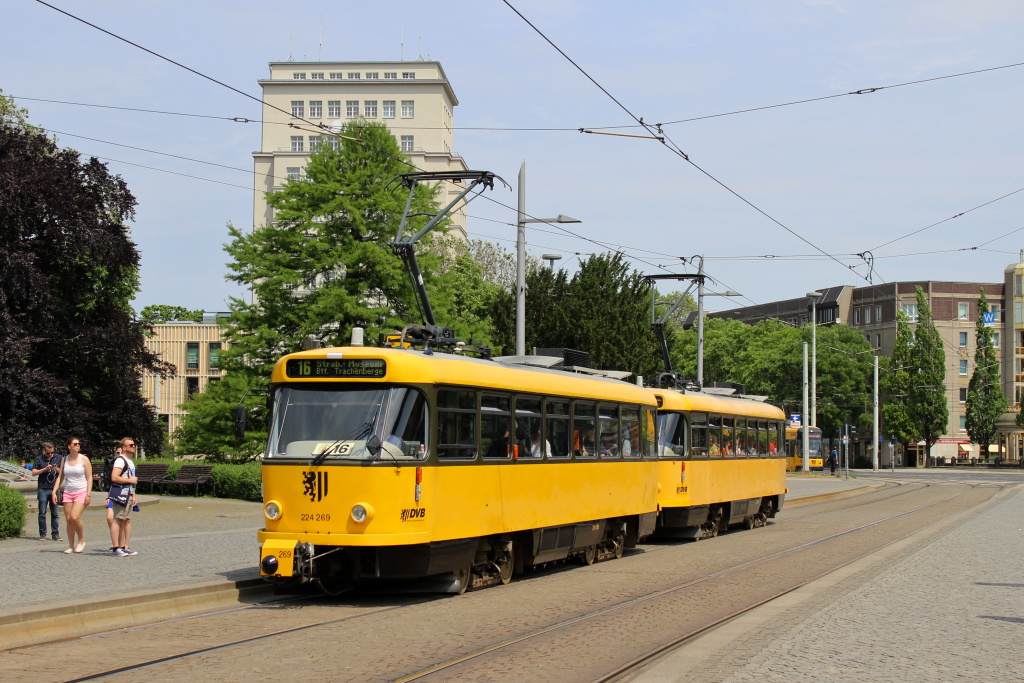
70,497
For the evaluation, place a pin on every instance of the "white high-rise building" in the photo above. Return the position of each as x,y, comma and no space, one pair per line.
414,99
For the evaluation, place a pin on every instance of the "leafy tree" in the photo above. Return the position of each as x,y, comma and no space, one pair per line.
603,310
498,265
209,427
325,265
14,116
895,385
985,399
71,355
159,313
928,376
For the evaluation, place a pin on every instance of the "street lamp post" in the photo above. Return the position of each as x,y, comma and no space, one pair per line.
813,422
521,222
551,258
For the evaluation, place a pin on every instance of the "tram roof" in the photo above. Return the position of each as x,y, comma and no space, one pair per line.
700,401
413,366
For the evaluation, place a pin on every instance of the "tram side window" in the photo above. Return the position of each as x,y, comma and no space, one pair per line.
530,440
739,437
728,438
763,435
406,424
673,434
715,436
698,435
608,426
630,429
584,442
648,433
559,437
774,445
456,417
495,426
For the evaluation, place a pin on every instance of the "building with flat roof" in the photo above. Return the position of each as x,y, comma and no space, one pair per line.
414,99
872,311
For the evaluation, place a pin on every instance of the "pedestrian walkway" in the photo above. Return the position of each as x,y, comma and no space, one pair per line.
949,611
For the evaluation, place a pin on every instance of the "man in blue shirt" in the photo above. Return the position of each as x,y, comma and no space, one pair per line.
47,468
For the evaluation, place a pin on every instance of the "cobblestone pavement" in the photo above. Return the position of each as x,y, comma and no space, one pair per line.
946,610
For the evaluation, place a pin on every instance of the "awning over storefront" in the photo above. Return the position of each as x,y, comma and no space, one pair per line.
993,448
965,448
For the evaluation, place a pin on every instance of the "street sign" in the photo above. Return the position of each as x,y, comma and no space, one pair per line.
846,440
989,318
794,420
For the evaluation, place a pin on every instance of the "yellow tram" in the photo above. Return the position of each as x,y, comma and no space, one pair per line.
795,449
395,463
722,463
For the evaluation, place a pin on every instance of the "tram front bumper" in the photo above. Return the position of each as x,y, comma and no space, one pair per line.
277,558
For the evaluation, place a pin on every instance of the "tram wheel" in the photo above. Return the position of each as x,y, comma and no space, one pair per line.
333,585
619,542
464,577
589,555
506,564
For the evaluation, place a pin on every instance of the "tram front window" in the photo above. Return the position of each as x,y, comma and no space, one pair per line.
348,423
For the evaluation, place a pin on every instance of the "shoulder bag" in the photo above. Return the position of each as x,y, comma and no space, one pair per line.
59,491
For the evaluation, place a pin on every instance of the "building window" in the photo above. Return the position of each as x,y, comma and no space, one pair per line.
910,310
214,354
192,355
963,340
314,142
299,76
407,143
297,109
317,76
389,109
390,75
995,310
294,173
191,386
867,315
409,74
963,394
995,340
370,109
408,109
1017,317
878,313
963,423
961,311
867,338
352,109
963,366
335,76
316,108
856,316
1018,285
297,141
878,341
353,75
372,75
334,109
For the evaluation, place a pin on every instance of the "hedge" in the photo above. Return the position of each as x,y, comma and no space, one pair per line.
12,512
233,481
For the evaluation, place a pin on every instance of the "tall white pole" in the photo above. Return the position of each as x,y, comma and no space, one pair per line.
814,361
521,266
805,446
700,323
874,428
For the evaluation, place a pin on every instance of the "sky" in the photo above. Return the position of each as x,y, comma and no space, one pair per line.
779,201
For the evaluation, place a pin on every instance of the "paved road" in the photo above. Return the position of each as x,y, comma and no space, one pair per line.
947,610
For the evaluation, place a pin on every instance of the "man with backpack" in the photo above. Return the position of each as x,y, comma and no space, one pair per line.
833,461
122,497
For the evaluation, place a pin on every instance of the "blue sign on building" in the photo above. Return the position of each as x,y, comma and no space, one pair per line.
989,318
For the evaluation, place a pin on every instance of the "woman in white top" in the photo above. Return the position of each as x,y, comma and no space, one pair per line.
77,473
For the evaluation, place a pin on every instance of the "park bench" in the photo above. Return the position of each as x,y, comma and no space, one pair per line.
99,482
150,473
192,474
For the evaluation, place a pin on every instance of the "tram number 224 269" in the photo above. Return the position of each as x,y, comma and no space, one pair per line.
323,517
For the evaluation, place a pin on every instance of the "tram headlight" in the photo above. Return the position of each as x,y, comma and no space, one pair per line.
362,512
272,510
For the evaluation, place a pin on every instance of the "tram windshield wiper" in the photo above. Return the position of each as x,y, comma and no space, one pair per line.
360,432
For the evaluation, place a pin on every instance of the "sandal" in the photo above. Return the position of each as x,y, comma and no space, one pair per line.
69,551
80,547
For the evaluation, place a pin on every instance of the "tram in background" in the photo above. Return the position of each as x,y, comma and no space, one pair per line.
722,463
795,446
393,463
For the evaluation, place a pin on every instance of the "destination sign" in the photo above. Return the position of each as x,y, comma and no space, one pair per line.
335,368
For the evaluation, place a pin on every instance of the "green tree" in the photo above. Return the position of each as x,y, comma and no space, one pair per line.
985,399
325,265
604,309
928,377
160,313
71,353
209,428
895,385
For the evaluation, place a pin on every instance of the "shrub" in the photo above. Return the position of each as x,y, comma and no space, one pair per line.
12,512
238,481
